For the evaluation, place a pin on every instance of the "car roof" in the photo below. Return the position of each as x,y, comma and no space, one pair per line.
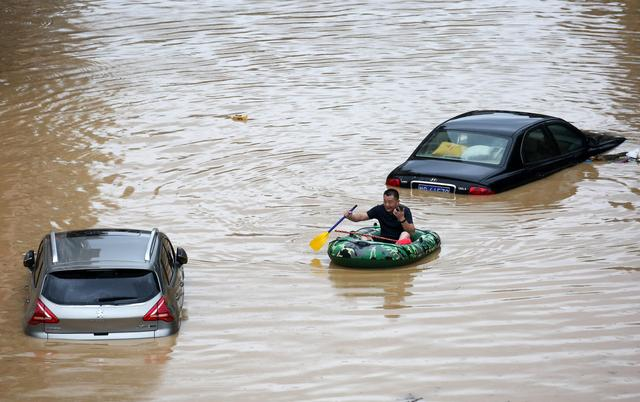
500,122
102,248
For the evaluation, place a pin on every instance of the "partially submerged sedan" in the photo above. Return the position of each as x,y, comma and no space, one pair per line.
489,151
104,284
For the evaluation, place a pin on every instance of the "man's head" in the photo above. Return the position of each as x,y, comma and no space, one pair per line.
390,199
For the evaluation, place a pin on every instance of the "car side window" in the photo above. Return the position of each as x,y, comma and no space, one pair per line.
536,146
39,264
167,261
568,140
169,248
166,267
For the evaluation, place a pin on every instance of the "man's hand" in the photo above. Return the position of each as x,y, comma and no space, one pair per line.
399,214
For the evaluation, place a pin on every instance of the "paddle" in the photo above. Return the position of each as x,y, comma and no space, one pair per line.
367,235
317,242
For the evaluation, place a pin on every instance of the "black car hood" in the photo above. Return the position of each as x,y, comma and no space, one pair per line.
439,168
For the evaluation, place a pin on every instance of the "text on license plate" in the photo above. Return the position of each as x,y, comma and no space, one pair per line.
431,187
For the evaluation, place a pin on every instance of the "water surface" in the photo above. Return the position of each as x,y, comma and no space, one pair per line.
116,114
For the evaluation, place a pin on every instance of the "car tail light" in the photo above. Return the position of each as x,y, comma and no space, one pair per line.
159,311
477,190
393,182
42,315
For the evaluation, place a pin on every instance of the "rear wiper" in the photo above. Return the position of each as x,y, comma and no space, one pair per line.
111,299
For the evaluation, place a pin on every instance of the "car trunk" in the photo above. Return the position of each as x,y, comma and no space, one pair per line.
100,302
100,320
443,169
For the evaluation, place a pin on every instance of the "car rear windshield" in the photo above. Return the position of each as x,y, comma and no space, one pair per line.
464,146
105,286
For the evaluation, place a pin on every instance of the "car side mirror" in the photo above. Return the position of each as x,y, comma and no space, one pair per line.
181,256
29,260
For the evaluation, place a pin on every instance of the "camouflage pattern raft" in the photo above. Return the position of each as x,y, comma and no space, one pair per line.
355,251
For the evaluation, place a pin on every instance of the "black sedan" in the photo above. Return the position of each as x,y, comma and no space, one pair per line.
489,151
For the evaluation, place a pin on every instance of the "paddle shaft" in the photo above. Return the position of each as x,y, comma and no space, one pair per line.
341,219
364,234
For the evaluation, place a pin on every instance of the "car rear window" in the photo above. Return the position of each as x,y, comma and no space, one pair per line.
464,146
104,286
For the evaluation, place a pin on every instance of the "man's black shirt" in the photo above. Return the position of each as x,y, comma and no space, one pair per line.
390,226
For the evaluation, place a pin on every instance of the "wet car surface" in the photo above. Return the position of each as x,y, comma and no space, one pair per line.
487,151
104,284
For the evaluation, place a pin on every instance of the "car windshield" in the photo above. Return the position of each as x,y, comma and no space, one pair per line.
104,286
465,146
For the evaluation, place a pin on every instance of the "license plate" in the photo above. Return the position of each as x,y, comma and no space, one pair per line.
433,187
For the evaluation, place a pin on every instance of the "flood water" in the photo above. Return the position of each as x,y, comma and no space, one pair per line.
114,114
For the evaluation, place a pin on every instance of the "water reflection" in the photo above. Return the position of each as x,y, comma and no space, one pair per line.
121,370
392,285
538,195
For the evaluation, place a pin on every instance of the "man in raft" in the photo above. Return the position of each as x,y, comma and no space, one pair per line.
395,219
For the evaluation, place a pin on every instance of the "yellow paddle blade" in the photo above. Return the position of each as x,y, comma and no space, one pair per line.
317,242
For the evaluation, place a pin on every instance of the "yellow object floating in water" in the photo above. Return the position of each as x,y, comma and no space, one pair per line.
239,117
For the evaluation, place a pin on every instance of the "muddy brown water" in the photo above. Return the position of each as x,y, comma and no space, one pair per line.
113,113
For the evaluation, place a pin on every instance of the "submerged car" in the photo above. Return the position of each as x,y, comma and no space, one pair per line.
489,151
104,284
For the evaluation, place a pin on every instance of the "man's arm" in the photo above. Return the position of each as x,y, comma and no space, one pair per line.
408,227
356,216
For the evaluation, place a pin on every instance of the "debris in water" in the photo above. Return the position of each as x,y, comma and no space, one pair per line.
622,157
239,117
412,398
127,192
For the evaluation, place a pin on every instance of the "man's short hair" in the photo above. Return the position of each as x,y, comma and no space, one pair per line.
392,192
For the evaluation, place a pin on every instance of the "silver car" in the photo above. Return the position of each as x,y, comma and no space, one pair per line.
105,284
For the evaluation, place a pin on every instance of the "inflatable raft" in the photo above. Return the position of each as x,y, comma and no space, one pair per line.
358,251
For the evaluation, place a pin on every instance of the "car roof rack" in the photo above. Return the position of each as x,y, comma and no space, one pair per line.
54,248
147,254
